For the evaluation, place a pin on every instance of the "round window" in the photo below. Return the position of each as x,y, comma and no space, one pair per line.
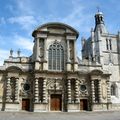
26,87
83,87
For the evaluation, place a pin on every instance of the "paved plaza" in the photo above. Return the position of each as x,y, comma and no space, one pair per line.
60,116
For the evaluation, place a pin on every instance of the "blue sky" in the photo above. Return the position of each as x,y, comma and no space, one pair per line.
18,18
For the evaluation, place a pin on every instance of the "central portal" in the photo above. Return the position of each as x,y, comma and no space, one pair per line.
56,102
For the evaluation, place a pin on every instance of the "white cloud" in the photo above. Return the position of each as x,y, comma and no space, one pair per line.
77,18
4,54
25,6
23,42
26,22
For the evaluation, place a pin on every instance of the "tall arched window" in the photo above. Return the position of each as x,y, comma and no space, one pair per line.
56,57
113,90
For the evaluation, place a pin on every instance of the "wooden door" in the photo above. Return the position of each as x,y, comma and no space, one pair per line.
25,104
56,103
83,104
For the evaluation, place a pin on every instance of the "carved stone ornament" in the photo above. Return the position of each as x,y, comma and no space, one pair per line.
83,88
54,84
25,88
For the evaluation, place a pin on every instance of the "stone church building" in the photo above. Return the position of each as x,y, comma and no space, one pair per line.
53,78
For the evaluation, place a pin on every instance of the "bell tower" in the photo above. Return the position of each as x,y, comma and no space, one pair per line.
99,19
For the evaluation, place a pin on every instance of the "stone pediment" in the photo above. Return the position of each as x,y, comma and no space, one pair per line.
56,27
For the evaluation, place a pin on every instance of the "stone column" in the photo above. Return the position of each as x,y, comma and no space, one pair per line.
99,91
108,92
37,49
45,49
76,91
68,51
44,91
75,56
45,65
93,91
69,90
16,90
8,91
36,90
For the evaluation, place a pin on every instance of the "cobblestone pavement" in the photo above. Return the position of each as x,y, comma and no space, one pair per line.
60,116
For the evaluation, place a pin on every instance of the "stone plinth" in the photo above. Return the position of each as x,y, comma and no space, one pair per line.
73,107
38,107
12,107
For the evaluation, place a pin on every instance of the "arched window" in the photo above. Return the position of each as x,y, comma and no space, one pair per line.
56,57
113,90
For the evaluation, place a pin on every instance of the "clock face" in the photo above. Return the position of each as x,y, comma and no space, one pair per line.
83,87
26,87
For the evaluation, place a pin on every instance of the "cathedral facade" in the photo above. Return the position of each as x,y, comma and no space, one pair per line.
53,78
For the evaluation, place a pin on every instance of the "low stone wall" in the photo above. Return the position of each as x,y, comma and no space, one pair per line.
40,107
73,107
100,107
1,107
12,107
115,106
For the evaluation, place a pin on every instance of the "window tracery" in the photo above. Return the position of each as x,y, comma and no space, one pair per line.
56,57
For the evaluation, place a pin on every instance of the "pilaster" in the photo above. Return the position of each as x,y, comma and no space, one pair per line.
69,90
68,56
76,92
99,90
45,56
75,56
37,49
44,91
93,91
68,51
36,90
108,92
8,90
16,90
